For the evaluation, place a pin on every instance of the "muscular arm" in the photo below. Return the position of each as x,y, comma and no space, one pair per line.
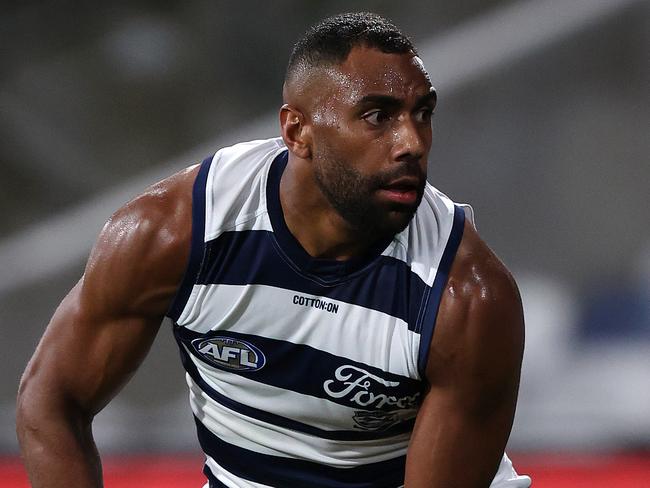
473,372
101,332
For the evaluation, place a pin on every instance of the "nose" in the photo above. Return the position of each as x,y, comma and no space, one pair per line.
409,140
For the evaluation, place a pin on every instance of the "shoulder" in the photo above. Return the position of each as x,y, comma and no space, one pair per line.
143,248
243,154
478,277
162,213
236,183
233,168
479,329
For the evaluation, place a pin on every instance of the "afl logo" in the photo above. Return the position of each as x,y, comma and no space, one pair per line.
229,353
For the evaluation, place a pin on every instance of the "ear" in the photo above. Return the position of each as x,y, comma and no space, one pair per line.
295,133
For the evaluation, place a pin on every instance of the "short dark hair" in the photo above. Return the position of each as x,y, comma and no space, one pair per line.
331,40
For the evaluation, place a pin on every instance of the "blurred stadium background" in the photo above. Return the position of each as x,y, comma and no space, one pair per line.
542,125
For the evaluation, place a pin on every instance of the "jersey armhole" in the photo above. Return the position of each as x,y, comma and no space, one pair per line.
197,245
438,287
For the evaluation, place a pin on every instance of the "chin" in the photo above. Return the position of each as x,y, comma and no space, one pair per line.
388,225
399,216
400,221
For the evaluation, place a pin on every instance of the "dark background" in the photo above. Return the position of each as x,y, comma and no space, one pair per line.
542,125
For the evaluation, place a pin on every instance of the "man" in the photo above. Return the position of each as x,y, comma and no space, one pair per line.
340,321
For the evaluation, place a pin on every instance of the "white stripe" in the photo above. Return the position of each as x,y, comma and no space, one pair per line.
364,335
506,476
264,438
428,234
255,220
236,188
313,411
229,479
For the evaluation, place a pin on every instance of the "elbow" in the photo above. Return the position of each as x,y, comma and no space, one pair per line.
29,415
31,412
42,411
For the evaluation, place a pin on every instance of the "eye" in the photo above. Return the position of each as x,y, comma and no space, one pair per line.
424,115
376,117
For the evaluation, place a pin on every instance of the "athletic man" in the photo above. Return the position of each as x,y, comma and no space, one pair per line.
340,321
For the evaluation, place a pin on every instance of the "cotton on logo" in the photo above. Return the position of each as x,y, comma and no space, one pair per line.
229,353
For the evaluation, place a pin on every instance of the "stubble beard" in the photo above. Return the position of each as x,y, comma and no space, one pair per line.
352,195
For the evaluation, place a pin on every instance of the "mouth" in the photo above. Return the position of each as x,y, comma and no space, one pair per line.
403,190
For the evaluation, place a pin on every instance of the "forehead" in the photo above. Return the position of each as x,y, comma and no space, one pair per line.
368,70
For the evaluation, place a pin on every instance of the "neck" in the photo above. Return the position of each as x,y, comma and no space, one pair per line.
312,220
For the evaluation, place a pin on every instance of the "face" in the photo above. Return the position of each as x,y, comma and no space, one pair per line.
371,135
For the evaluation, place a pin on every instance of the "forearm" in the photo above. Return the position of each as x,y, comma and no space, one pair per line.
453,454
58,448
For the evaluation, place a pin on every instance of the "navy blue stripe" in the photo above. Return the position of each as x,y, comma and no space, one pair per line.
198,239
253,257
306,370
428,324
297,473
343,435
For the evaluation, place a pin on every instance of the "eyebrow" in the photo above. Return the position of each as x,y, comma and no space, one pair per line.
430,97
390,101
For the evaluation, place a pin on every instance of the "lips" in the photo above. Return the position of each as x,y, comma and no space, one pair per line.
404,183
402,190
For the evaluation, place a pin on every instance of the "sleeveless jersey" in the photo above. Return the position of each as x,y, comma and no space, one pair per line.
303,372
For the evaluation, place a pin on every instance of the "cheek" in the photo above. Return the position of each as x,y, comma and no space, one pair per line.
337,137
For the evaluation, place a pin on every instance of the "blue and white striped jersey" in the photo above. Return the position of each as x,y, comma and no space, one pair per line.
303,372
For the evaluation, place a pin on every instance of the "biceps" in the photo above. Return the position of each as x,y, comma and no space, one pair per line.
85,357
